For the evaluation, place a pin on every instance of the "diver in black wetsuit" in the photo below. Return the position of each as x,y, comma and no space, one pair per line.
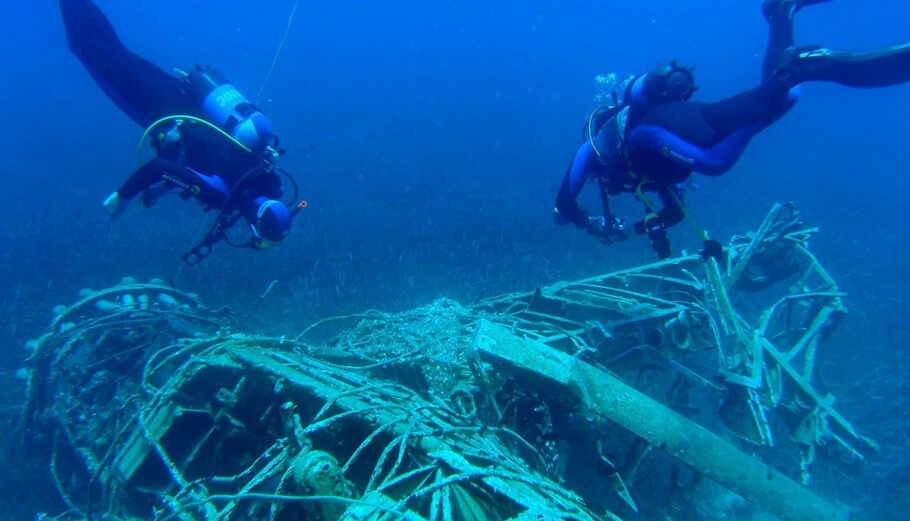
655,138
211,143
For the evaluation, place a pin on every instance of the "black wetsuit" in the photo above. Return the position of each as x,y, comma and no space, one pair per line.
655,148
198,161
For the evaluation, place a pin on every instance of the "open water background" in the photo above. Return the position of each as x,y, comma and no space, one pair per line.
429,139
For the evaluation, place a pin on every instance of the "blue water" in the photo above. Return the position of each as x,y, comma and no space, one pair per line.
429,139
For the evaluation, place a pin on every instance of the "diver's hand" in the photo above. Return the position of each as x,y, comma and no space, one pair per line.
617,228
608,228
657,235
114,204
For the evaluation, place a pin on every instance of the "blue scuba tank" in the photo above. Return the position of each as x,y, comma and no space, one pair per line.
221,103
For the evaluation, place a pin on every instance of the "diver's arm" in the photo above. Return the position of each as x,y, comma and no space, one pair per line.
670,214
143,178
604,194
655,224
567,207
209,190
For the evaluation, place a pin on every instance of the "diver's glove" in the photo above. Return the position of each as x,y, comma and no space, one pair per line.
713,250
608,228
114,204
657,233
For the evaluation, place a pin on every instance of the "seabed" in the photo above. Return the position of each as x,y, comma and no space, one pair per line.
684,389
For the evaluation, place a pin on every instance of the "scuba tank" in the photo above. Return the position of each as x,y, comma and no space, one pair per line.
221,103
608,103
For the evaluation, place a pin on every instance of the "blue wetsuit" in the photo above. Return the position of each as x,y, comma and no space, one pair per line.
195,160
655,147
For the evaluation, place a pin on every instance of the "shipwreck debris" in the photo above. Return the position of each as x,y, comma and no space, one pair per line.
648,383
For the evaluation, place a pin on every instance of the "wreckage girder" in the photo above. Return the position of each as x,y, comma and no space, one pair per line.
148,408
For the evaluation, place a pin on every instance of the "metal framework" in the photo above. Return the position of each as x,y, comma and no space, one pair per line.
146,406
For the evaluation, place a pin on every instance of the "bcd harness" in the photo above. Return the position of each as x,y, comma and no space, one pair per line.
635,182
228,215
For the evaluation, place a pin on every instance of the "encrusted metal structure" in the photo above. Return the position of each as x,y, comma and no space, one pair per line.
684,389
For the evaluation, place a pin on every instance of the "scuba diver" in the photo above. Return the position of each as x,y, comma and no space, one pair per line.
652,140
211,143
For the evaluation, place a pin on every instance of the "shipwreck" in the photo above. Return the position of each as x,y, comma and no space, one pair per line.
683,389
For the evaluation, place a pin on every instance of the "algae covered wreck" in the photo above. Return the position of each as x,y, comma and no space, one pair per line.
685,389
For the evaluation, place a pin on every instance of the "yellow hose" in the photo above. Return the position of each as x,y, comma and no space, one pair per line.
180,117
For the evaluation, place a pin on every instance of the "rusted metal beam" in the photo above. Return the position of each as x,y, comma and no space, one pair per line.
704,451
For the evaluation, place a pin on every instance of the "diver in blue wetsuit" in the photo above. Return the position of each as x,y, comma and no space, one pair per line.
652,141
211,143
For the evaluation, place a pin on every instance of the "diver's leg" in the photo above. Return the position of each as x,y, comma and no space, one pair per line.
779,14
789,7
759,107
735,120
142,90
788,66
756,108
879,68
780,35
